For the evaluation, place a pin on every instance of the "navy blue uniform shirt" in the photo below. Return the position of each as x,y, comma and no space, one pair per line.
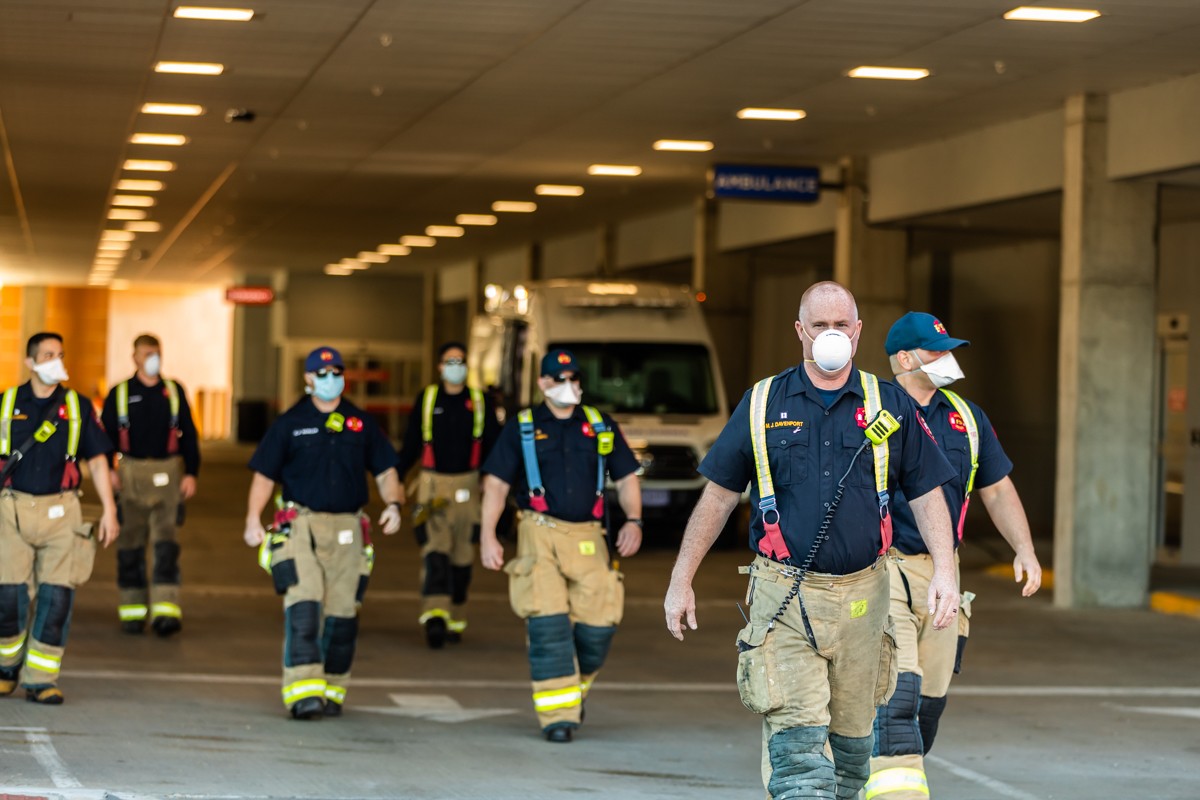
809,447
150,423
566,453
950,430
453,421
320,469
41,470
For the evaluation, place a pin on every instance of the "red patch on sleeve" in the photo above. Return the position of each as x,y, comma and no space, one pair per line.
860,417
62,412
355,424
957,423
925,426
470,406
588,432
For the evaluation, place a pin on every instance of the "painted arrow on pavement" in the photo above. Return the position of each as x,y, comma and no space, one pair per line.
435,708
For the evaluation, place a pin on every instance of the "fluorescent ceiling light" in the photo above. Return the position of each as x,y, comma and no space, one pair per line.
353,264
890,73
614,169
557,190
337,269
134,200
782,114
126,213
113,246
444,231
135,185
220,14
476,219
368,257
683,145
117,236
1035,14
514,206
393,250
144,227
189,68
106,267
168,139
418,241
173,109
148,165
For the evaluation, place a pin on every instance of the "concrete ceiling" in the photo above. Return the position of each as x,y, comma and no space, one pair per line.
375,118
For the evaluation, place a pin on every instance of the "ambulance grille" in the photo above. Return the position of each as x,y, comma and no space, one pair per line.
668,463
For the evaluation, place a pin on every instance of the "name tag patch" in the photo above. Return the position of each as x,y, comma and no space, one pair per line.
345,537
57,512
161,479
587,548
858,608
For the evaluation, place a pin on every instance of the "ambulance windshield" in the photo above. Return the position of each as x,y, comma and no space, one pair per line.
645,377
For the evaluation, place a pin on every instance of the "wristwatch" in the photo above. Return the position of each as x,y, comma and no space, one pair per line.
397,504
636,521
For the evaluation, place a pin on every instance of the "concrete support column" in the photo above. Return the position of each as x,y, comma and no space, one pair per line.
727,287
256,361
873,264
1104,531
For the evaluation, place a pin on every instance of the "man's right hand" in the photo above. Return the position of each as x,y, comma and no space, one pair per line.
491,552
680,602
254,532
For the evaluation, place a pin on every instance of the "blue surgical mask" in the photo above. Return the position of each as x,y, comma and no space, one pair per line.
328,388
455,374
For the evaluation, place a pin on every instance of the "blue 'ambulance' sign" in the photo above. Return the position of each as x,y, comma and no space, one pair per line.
754,182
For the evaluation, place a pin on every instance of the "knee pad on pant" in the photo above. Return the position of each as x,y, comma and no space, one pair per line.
474,534
166,562
851,763
341,633
302,623
131,568
799,767
931,715
896,729
551,647
591,646
460,581
53,615
437,574
14,609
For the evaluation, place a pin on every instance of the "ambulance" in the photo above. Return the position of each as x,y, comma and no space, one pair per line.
646,358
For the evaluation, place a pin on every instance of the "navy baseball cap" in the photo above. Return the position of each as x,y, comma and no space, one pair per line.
559,361
323,358
917,329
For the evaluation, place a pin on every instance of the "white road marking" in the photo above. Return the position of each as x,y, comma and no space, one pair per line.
1167,711
435,708
998,787
43,751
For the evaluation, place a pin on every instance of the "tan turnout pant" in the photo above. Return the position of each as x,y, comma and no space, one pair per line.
149,504
449,547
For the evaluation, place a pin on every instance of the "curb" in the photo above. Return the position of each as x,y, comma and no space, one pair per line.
1163,602
1005,570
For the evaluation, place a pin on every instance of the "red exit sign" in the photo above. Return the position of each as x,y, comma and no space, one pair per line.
250,295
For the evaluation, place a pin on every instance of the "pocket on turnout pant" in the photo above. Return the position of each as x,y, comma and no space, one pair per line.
756,680
885,681
83,554
522,593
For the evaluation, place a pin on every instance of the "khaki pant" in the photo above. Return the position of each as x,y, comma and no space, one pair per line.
149,504
448,549
921,650
46,551
562,583
325,560
836,686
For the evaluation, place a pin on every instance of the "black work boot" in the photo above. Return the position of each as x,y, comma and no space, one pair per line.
166,626
134,626
333,708
308,708
435,632
560,734
45,695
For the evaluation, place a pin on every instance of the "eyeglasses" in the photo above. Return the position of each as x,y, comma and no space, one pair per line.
563,378
325,373
453,362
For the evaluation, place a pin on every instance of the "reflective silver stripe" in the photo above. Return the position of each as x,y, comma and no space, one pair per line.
173,400
477,411
6,415
43,661
896,779
557,698
123,403
968,418
10,650
873,405
74,423
166,610
132,612
758,436
301,689
335,693
427,403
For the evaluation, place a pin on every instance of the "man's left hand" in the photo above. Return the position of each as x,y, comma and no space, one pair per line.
187,487
1027,563
629,539
943,600
389,520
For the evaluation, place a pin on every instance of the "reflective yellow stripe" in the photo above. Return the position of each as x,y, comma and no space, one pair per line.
477,411
299,690
456,625
968,418
44,661
10,650
6,415
896,779
557,698
172,398
132,612
74,423
166,610
585,687
427,403
434,612
758,436
873,405
123,402
335,693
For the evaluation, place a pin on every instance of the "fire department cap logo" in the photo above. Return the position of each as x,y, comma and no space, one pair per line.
326,355
939,327
563,358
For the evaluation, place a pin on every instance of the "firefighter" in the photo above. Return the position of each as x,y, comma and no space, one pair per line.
46,549
318,551
562,582
149,423
920,352
823,446
450,432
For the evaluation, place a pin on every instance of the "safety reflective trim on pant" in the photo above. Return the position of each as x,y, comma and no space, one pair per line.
166,610
584,688
456,625
132,612
314,687
436,612
10,650
43,661
557,698
335,693
896,779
